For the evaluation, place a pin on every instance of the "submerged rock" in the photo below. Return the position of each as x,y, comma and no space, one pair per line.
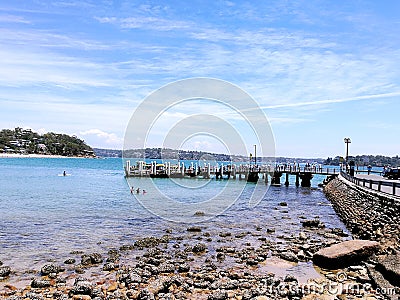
5,271
345,253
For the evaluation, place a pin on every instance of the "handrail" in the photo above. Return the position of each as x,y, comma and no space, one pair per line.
371,184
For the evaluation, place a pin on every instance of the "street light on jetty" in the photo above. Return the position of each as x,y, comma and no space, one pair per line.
347,141
255,154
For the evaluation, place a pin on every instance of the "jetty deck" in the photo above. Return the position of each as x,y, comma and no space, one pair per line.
249,172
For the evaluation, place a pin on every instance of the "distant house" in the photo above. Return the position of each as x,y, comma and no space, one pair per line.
42,148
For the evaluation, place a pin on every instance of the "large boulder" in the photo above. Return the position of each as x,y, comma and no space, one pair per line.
345,254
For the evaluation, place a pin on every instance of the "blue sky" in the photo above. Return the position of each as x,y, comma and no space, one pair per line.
320,70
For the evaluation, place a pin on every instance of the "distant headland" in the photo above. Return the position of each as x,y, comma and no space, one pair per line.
17,142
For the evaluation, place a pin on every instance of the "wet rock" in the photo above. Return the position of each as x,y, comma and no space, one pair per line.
110,266
224,234
147,242
252,262
183,268
199,248
82,287
40,283
127,247
289,256
166,268
199,213
1,263
51,268
345,253
5,271
70,261
302,236
194,229
33,296
145,295
91,259
218,295
314,223
283,204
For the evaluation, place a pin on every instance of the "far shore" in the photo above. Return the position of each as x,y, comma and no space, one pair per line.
16,155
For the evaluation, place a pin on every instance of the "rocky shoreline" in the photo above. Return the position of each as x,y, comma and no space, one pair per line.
371,216
199,264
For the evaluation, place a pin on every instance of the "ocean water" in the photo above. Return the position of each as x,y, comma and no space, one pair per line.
44,215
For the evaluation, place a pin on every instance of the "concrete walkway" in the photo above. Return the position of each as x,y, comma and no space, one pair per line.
385,189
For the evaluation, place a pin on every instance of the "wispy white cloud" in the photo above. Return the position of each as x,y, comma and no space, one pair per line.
146,22
8,18
333,101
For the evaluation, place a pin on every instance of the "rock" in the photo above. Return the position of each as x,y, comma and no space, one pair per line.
345,253
315,223
283,204
302,236
289,256
166,268
224,234
145,295
183,268
389,266
110,266
82,287
81,297
1,263
40,283
198,248
91,259
218,295
199,213
147,242
51,268
194,229
5,271
70,261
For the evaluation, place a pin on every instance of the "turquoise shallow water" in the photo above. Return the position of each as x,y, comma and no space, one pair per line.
44,216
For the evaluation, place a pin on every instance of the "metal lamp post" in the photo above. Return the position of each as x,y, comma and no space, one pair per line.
347,141
255,155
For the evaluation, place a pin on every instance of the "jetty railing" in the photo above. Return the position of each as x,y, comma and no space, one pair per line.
386,187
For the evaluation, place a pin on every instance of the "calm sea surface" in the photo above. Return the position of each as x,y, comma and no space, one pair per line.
44,216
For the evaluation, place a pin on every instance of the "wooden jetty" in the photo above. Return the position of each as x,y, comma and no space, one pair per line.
250,173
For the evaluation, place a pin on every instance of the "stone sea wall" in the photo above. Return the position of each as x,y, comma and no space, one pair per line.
369,215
